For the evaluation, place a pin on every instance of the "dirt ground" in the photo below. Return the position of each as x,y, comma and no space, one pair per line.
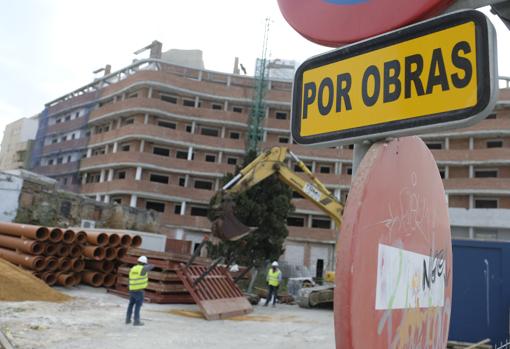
95,319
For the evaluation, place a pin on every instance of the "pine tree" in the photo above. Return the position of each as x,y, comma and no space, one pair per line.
266,206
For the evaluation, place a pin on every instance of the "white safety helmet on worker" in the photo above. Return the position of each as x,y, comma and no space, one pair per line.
274,264
142,259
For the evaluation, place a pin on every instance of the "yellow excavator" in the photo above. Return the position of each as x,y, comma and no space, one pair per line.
273,161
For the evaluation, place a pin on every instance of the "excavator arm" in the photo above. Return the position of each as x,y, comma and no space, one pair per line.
268,163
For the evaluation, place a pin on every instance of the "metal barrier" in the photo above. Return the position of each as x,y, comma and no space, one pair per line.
502,345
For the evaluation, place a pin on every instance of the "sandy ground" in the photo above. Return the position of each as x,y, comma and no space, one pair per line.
95,319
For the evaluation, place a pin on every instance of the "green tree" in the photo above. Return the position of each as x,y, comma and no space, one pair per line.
266,206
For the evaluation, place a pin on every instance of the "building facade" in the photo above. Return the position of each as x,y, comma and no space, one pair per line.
160,136
17,143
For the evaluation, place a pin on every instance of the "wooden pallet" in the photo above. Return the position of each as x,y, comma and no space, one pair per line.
156,297
217,295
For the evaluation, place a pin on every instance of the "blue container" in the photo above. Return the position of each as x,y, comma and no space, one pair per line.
481,291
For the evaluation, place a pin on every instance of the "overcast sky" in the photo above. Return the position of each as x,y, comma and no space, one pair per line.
51,47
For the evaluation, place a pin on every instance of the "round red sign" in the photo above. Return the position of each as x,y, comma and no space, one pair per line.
338,22
394,255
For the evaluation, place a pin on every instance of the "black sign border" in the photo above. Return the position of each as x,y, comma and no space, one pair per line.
483,69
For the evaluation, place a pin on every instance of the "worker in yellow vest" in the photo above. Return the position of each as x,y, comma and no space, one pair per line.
274,278
138,281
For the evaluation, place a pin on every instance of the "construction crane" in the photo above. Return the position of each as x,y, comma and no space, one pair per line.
255,127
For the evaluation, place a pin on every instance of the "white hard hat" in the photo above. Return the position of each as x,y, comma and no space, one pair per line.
142,259
274,264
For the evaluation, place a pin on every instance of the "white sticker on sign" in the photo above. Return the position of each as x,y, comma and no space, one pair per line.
312,191
407,279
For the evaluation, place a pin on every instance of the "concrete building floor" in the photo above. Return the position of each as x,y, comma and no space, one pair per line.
95,319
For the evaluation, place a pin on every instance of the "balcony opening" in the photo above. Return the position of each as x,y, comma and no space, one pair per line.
182,181
125,147
280,115
211,132
234,135
156,206
435,145
486,173
161,151
121,175
232,161
321,223
295,222
217,106
325,169
189,128
237,109
486,203
60,160
206,185
284,140
199,211
168,98
210,158
167,124
442,172
297,195
349,171
188,102
179,154
158,178
495,144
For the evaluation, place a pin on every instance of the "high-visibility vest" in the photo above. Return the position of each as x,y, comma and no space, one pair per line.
273,277
137,281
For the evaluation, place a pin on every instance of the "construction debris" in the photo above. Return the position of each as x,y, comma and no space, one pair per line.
214,291
19,285
65,257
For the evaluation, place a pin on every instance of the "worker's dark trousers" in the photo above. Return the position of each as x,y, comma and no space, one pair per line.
273,292
136,300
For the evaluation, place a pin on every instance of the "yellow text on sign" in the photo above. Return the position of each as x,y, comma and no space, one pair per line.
431,74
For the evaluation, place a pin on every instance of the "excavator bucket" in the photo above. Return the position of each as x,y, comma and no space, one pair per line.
227,226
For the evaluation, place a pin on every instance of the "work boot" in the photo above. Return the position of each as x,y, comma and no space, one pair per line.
128,321
138,323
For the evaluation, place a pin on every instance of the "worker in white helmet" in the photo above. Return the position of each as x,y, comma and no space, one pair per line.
274,278
138,281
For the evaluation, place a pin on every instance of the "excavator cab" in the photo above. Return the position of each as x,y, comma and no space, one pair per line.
226,226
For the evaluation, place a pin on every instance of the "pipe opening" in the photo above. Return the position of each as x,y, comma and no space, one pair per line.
109,280
51,264
37,248
107,266
50,278
39,263
69,236
63,250
114,240
81,237
42,234
50,249
56,235
75,251
136,241
125,240
78,265
121,252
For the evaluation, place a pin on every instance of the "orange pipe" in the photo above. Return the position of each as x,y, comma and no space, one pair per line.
102,266
121,252
50,249
114,240
136,241
110,253
65,280
92,278
51,264
109,280
97,238
125,240
56,235
77,265
27,246
63,250
69,236
75,251
36,263
64,264
94,252
77,279
49,278
81,237
34,232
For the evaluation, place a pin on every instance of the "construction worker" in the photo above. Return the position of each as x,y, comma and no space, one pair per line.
138,281
274,278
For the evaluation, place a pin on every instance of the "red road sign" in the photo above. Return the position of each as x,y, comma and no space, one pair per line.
394,257
338,22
